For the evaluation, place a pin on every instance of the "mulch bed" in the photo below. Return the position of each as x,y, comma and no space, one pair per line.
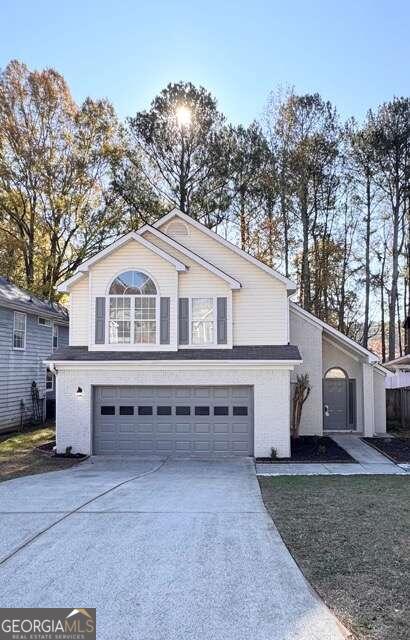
397,449
48,449
313,449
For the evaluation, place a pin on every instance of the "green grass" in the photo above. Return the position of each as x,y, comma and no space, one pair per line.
19,442
350,536
18,456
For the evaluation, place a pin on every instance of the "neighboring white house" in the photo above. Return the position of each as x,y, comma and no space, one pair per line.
399,369
183,344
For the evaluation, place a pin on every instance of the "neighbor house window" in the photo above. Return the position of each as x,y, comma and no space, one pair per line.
44,322
202,321
133,309
19,330
55,336
49,380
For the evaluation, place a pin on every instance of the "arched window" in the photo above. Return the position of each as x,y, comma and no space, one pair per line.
133,283
133,309
336,373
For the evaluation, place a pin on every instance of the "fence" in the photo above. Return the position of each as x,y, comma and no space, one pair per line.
398,408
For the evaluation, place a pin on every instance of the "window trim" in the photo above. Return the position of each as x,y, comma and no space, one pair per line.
23,348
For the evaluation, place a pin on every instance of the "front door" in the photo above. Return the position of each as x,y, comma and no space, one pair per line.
335,404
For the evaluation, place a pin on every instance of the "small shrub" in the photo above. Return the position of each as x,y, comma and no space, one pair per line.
273,453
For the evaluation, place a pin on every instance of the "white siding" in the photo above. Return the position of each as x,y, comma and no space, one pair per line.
133,256
271,399
308,337
379,401
260,308
79,312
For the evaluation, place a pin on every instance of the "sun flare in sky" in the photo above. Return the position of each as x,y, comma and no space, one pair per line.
184,116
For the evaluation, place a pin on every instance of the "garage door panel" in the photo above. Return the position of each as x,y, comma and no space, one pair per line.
183,446
221,428
240,428
131,420
165,428
202,446
221,394
144,427
202,427
239,448
183,428
126,428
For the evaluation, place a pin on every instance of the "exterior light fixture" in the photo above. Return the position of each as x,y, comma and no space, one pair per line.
79,391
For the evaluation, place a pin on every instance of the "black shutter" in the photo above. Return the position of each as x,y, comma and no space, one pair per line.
183,321
164,318
99,320
222,320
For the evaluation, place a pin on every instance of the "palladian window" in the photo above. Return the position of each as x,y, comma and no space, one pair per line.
133,307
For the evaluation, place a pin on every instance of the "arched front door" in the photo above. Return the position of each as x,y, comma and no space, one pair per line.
335,400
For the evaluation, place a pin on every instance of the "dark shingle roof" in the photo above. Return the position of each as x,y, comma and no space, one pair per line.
253,352
13,296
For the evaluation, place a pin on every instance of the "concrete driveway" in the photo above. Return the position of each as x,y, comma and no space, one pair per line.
177,549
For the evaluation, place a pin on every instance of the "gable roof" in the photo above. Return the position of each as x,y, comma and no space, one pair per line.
402,361
372,358
234,284
175,213
128,237
20,299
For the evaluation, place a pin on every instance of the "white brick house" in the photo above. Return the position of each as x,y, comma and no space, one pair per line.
182,344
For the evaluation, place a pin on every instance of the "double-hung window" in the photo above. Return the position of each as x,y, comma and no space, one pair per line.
145,314
120,320
202,321
55,336
19,331
49,380
133,309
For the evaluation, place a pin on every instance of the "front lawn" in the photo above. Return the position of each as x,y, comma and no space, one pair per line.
19,458
350,537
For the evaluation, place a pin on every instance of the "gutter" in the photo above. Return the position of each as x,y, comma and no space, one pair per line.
169,364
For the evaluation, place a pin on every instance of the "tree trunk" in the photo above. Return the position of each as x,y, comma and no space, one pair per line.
394,279
365,338
382,318
242,217
305,270
285,221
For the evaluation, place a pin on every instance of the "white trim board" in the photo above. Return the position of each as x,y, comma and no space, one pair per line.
132,236
175,213
171,365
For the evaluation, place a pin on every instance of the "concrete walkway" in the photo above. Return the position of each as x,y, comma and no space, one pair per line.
165,550
368,462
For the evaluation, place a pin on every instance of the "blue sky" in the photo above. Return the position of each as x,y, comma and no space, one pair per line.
355,53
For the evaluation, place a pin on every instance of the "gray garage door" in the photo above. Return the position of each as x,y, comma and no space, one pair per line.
173,420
